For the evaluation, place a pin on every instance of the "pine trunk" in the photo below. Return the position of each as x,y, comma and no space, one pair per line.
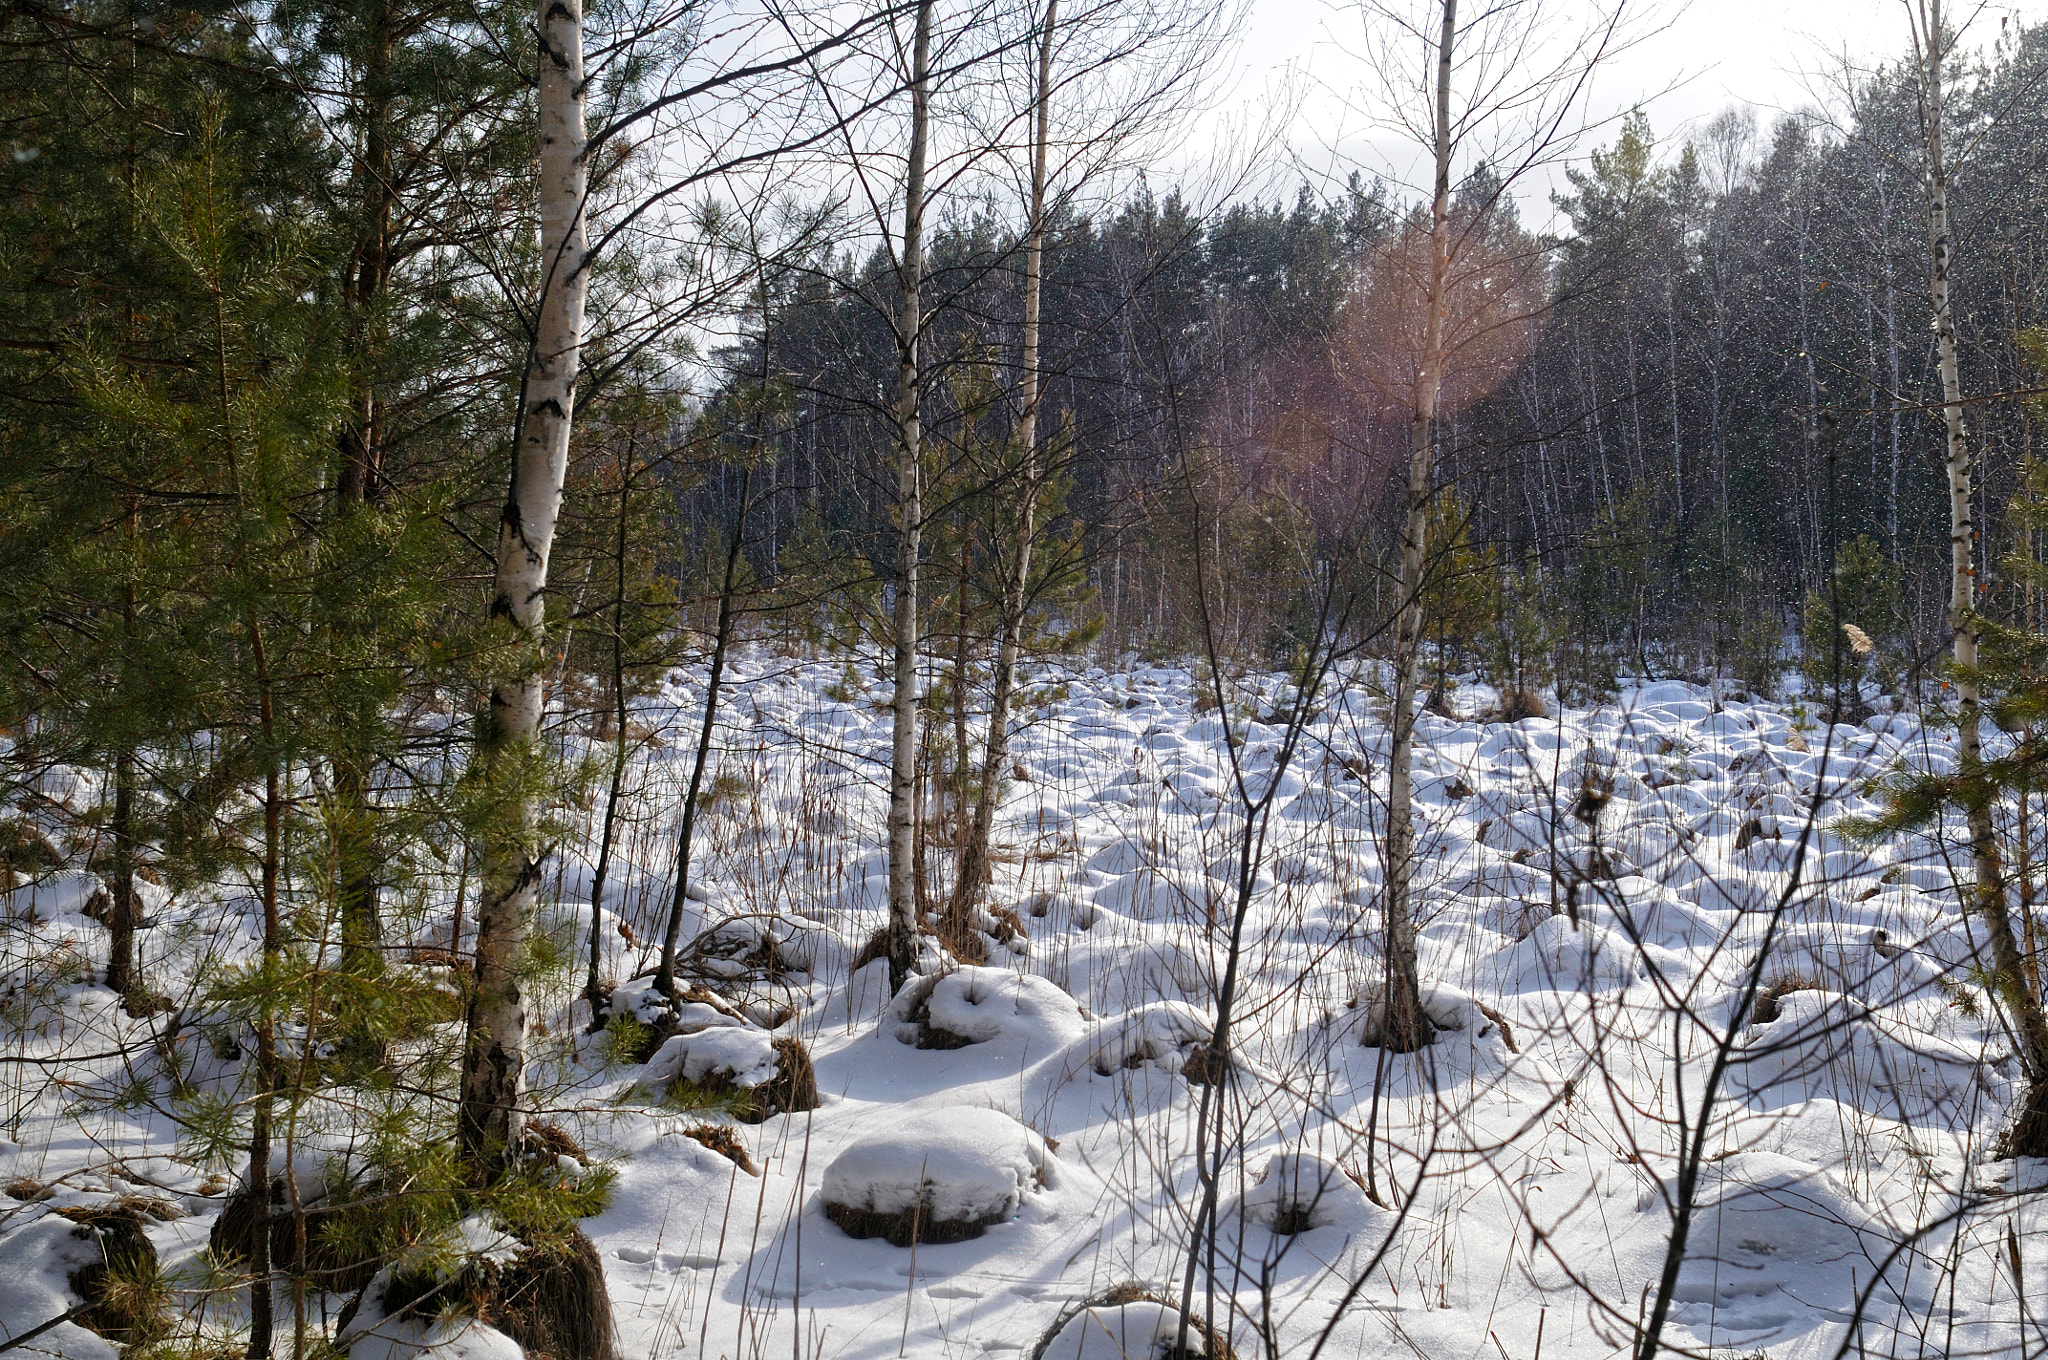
903,763
494,1058
1404,1025
121,908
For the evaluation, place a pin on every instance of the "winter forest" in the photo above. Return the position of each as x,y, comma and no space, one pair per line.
752,678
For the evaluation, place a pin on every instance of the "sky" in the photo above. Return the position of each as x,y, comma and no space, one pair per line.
1707,55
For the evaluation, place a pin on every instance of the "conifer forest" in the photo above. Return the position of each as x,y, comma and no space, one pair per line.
958,678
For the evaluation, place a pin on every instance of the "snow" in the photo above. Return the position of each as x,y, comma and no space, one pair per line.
987,1005
35,1262
745,1057
1307,1187
1129,1331
1524,1187
962,1165
441,1338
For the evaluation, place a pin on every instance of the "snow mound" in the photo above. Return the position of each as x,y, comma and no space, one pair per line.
1824,1045
1300,1190
741,1057
450,1337
1772,1235
760,1074
35,1265
1448,1008
1165,1032
1558,956
1143,1329
984,1005
940,1175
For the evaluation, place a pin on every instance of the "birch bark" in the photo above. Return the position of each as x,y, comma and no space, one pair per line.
494,1058
974,862
2031,1036
1404,1025
902,930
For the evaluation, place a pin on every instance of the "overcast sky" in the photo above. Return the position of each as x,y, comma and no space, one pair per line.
1711,53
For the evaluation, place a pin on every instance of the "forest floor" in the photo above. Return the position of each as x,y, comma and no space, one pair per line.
1509,1191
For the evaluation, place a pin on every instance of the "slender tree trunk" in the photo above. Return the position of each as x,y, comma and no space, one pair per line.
903,763
121,912
262,1323
995,763
593,992
1891,335
671,935
1405,1026
2029,1023
494,1058
358,485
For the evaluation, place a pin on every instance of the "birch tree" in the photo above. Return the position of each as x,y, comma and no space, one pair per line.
904,712
1406,1026
494,1059
974,857
1933,44
1506,95
1127,74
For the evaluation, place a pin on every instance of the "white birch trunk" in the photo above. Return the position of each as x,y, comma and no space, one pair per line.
1404,1026
494,1058
902,930
2031,1028
974,863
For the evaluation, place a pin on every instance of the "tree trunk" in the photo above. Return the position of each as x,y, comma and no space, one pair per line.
994,766
262,1324
593,990
1404,1025
494,1058
665,975
2009,974
903,764
121,908
360,448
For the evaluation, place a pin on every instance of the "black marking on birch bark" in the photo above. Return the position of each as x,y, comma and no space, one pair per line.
548,49
547,406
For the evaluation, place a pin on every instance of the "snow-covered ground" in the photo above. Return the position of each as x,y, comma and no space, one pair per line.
1514,1182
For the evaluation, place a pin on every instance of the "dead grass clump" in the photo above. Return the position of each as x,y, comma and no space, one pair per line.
550,1298
123,1287
741,946
1202,1343
722,1140
1767,1006
25,853
645,1038
1204,1065
792,1090
916,1003
22,1188
553,1302
336,1256
913,1225
542,1138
